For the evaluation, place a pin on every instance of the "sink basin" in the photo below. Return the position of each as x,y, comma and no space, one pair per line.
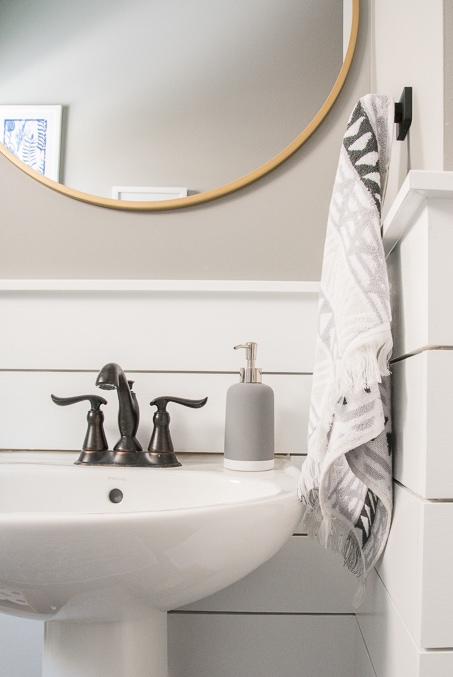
34,488
101,553
102,543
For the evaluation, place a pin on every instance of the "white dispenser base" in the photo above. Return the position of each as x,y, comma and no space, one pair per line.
133,648
251,466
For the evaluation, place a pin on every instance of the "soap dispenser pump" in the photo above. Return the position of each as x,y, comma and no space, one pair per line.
249,422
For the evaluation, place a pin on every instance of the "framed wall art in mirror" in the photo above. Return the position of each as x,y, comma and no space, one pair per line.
33,135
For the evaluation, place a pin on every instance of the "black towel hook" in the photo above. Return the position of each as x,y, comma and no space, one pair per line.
403,114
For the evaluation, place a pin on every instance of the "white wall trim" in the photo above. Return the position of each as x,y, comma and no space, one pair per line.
258,286
418,187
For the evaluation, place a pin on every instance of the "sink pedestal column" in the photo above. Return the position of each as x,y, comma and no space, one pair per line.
107,649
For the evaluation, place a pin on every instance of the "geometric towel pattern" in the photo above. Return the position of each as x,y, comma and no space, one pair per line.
346,480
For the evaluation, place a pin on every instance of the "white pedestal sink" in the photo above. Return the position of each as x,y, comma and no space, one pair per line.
101,553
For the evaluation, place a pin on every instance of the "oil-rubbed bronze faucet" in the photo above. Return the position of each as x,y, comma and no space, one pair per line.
128,450
113,377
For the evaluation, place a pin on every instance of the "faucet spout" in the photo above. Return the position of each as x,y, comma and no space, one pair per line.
112,377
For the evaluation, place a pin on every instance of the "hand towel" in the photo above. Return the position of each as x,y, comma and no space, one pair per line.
346,480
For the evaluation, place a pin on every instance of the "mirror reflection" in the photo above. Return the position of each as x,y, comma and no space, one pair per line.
136,79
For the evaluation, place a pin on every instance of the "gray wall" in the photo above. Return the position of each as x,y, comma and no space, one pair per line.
271,230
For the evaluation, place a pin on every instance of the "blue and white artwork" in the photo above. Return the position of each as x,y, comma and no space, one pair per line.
27,140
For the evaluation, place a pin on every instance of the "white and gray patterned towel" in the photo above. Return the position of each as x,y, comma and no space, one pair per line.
346,480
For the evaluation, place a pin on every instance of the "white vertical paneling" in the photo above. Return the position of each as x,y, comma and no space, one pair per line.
400,566
436,569
255,645
408,278
416,567
422,406
58,335
20,647
26,395
418,189
412,598
438,663
409,422
169,330
418,236
389,643
440,272
392,651
363,666
302,577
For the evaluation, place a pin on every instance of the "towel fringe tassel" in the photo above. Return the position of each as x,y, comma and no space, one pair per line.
352,555
330,537
360,593
364,367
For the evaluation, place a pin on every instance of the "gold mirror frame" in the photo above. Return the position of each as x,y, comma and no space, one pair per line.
228,188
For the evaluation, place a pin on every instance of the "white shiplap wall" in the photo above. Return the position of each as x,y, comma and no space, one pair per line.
406,620
177,338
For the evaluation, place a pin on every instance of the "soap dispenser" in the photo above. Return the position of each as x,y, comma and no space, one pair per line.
249,423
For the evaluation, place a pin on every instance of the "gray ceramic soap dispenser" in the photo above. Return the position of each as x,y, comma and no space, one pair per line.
249,422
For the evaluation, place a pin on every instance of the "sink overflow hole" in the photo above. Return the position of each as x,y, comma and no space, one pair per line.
116,495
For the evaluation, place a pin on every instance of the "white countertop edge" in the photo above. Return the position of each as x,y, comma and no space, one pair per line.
419,186
257,286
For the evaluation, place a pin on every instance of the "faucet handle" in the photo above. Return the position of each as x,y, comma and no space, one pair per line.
95,443
161,402
161,445
95,400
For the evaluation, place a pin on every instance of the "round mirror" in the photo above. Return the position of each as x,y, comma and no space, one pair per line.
135,79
